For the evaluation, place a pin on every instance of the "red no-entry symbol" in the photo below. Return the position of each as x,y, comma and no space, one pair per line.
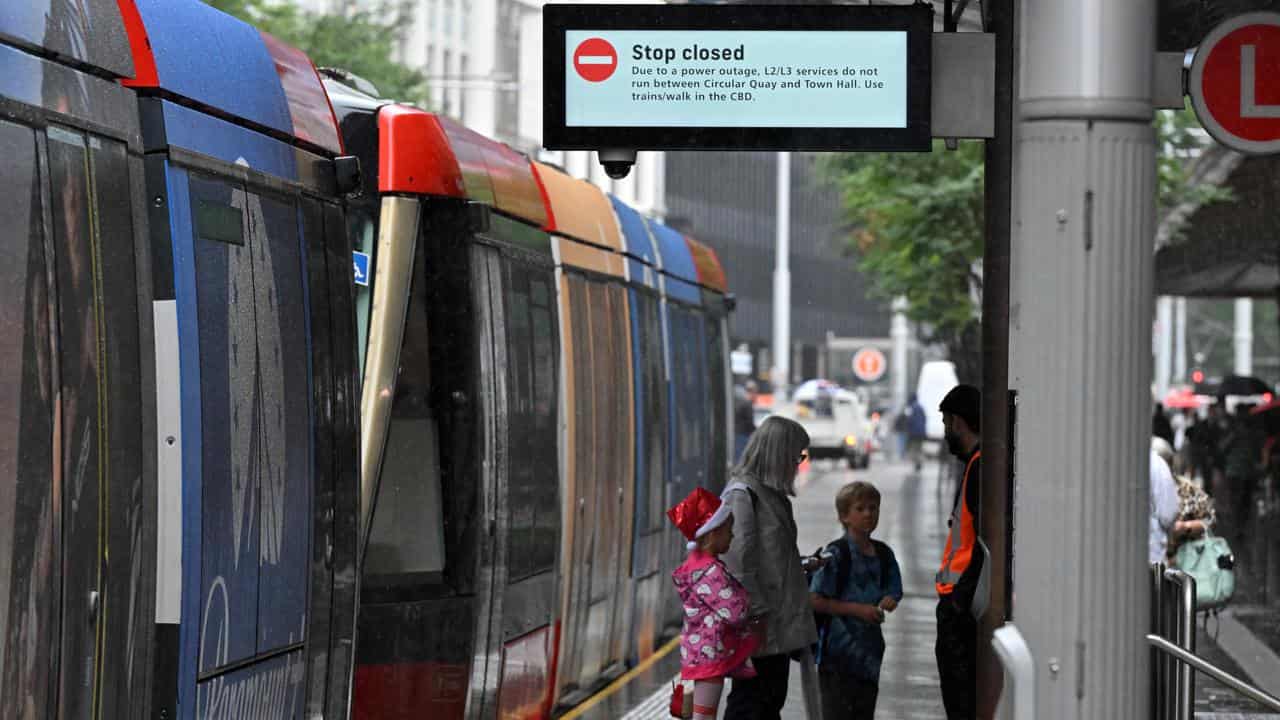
869,365
1235,83
595,60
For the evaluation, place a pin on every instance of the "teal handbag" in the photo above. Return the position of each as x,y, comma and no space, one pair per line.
1209,560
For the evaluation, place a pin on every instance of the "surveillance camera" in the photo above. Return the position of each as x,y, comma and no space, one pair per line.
617,163
616,169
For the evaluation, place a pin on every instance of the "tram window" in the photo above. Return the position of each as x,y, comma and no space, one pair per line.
533,476
650,507
407,537
26,429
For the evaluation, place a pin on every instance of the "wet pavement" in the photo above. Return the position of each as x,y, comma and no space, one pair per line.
912,521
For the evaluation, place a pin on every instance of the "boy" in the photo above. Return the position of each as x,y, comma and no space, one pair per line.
854,591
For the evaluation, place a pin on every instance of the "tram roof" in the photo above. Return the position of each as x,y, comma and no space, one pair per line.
677,258
257,78
426,154
637,241
90,33
710,271
579,210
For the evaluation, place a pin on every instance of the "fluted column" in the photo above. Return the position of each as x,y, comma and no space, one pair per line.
1080,352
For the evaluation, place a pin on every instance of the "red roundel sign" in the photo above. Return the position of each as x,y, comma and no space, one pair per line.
595,60
1235,83
869,365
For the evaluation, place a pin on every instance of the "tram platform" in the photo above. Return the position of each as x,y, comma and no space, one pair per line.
912,521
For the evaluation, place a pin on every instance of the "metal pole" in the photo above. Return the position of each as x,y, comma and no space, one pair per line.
782,283
1180,339
994,518
1082,268
1265,699
901,334
1157,628
1244,336
1164,345
1186,627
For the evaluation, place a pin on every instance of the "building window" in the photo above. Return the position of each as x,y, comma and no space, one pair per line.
448,18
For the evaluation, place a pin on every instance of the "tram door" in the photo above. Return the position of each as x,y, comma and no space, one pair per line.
594,642
651,561
71,418
246,331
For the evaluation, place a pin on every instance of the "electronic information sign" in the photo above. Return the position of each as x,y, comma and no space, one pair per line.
665,77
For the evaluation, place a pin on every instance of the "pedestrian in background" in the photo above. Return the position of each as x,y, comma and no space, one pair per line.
1195,508
1162,506
900,431
764,558
1161,426
852,593
957,579
1241,467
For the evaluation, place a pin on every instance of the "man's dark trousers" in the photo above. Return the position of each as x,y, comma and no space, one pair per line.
760,697
957,654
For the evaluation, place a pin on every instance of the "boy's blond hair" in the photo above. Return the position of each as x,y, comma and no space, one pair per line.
852,493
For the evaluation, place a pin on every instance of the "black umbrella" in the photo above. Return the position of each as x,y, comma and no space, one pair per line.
1242,385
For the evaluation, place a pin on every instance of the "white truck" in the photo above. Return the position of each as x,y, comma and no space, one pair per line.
836,420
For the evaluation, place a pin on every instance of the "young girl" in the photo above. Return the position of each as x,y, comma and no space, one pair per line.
717,642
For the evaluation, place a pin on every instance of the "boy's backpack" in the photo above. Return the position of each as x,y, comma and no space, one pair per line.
843,562
1209,560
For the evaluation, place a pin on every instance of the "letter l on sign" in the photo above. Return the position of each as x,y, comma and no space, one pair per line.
1249,106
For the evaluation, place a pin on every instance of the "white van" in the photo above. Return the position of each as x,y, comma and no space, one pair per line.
937,378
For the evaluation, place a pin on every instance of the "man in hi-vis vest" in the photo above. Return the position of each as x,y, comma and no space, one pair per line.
957,578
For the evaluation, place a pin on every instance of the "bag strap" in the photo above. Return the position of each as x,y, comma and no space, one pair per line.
844,563
882,554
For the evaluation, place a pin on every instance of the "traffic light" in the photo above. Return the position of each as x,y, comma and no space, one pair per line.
1197,376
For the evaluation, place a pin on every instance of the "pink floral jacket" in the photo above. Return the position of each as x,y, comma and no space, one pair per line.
716,641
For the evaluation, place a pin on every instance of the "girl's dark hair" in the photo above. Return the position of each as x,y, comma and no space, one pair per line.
773,453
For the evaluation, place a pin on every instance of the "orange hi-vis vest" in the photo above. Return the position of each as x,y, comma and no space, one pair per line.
960,541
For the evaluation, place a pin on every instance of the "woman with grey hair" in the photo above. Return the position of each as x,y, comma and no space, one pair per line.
764,557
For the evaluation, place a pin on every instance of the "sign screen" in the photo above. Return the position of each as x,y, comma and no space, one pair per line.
669,77
719,78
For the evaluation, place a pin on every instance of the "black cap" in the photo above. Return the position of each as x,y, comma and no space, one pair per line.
965,402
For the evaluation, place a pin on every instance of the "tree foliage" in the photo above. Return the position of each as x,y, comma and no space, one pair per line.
916,227
361,40
917,222
1180,139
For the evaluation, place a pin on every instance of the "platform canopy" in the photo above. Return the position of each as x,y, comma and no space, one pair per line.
1229,248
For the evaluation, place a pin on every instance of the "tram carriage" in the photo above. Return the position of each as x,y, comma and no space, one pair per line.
177,474
545,373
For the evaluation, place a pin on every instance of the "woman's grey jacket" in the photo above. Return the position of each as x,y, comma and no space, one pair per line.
765,559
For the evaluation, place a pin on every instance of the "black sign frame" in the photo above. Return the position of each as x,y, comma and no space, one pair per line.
916,20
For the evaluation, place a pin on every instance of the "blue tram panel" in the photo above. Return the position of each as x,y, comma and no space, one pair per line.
243,264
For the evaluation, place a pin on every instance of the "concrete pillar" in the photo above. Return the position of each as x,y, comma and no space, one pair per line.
900,333
1164,345
1244,337
1080,333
